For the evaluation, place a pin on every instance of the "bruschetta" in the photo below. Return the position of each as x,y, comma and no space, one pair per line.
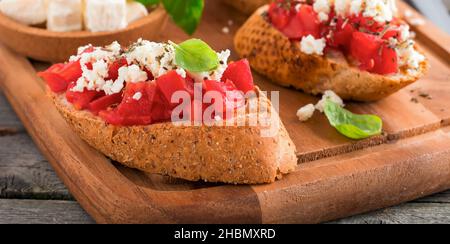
123,103
357,48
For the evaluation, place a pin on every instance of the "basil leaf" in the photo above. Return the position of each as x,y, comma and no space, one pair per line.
351,125
185,13
195,55
149,2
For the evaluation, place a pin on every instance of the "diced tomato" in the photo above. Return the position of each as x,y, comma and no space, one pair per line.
241,74
59,76
342,36
80,100
161,109
305,22
112,117
391,33
130,105
170,83
279,16
71,71
53,79
364,48
113,70
104,102
386,62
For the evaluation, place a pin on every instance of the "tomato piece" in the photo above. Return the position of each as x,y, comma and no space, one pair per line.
305,22
80,100
342,35
104,102
161,109
391,33
114,118
386,62
59,76
54,81
113,70
170,83
279,16
240,74
133,104
71,71
364,48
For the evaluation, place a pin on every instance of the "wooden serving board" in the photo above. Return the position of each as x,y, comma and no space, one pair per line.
336,177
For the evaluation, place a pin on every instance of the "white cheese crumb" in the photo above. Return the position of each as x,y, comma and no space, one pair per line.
137,96
404,32
380,10
331,95
417,21
215,74
226,30
355,7
408,13
341,7
306,112
322,8
310,45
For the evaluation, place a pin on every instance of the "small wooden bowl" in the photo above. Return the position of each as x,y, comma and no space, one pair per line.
44,45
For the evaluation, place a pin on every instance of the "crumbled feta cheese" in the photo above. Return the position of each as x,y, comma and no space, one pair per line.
158,58
137,96
404,33
298,7
341,7
306,112
329,95
131,74
215,74
94,79
408,13
417,21
409,56
310,45
393,42
322,8
356,7
379,10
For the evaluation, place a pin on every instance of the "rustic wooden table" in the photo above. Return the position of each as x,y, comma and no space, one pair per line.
30,191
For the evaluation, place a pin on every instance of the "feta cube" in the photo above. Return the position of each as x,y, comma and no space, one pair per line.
29,12
64,15
105,15
135,11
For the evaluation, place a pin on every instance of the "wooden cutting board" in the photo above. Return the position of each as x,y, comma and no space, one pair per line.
336,177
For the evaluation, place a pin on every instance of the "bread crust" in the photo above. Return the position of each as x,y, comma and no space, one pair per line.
247,6
236,155
275,56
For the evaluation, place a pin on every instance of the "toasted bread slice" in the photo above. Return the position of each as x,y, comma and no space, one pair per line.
275,56
247,6
236,154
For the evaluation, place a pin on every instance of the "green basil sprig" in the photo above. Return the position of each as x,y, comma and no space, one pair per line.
195,55
351,125
185,13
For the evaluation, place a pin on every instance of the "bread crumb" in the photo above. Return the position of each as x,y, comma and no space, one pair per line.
306,112
230,22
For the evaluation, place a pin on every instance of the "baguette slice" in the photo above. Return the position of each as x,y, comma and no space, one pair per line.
247,6
236,155
275,56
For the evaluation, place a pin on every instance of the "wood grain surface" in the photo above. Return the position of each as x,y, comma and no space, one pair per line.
345,178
